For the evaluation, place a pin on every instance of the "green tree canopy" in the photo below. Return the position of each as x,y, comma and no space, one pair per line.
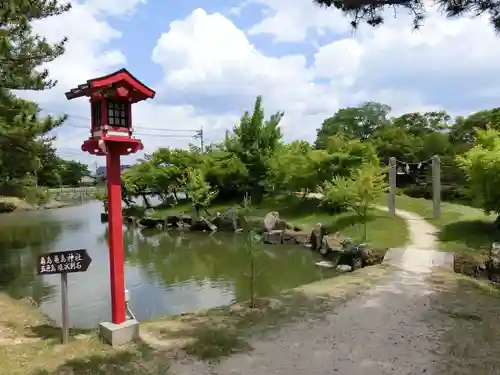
23,131
354,122
482,167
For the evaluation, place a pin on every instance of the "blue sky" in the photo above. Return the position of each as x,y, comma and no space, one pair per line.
208,60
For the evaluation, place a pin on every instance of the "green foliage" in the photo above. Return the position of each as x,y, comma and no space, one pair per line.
374,12
197,189
24,141
353,122
294,167
482,167
254,142
358,192
255,161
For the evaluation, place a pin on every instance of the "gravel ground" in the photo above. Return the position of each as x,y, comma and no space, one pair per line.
386,330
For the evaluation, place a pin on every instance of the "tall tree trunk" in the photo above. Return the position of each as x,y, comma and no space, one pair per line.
146,201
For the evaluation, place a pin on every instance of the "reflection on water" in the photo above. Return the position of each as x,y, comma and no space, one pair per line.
166,272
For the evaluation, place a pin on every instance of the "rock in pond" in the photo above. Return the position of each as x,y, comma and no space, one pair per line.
273,237
276,237
148,222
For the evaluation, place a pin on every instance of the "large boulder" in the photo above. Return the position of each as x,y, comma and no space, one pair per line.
270,220
316,236
148,222
295,237
493,262
342,253
331,242
228,221
179,221
273,237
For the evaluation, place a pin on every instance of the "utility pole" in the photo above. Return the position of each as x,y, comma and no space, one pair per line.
199,134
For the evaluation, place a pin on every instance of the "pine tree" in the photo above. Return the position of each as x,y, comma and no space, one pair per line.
23,134
373,11
21,51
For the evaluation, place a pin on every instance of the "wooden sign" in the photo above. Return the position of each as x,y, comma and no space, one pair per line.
63,262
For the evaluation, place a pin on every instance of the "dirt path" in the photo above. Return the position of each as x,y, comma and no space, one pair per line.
383,331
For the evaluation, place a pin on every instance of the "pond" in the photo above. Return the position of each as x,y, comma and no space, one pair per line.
166,272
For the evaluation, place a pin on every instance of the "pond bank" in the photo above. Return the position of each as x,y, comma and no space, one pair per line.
462,312
31,346
219,332
14,204
383,231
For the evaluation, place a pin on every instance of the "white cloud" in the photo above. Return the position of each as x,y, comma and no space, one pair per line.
212,71
446,46
294,21
207,55
88,55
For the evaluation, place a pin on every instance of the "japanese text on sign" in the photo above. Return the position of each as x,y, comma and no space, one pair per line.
67,261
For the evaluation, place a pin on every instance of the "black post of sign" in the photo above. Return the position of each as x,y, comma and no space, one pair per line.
64,302
64,262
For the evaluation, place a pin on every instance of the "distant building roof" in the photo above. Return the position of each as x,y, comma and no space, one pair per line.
101,171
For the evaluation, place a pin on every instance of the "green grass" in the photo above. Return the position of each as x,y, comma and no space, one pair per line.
186,208
29,346
464,315
382,231
465,230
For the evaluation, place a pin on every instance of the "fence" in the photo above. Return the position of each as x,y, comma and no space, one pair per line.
80,189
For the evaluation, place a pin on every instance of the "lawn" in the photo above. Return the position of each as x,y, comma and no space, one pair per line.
382,231
464,317
30,346
465,230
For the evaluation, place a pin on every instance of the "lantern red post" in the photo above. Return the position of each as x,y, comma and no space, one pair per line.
111,135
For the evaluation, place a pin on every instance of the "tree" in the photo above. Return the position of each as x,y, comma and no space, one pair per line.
464,128
225,172
372,11
198,191
72,172
357,192
481,165
292,168
170,167
49,173
22,131
354,122
138,179
21,51
421,124
346,155
254,142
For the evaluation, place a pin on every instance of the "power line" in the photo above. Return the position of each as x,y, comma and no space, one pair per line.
54,113
139,133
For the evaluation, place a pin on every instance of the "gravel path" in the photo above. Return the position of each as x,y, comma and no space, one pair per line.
383,331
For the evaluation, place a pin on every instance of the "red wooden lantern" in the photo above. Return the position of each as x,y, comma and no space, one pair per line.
111,99
111,134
